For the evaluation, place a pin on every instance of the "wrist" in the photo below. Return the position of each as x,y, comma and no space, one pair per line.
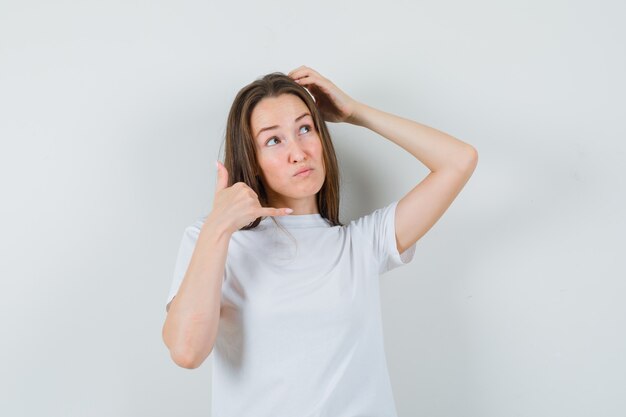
356,118
217,227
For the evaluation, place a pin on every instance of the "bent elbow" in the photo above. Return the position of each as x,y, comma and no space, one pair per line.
472,155
184,361
188,360
471,161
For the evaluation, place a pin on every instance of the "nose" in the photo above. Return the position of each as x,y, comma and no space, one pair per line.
296,152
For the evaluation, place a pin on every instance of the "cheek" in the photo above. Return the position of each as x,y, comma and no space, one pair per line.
271,165
266,161
315,146
319,151
271,170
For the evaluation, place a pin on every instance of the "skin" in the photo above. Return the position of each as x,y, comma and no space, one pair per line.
191,325
283,150
450,160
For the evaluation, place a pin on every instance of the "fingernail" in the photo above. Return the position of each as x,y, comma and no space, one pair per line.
289,210
217,166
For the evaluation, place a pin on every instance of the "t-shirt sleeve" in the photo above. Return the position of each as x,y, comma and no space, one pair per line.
185,250
378,228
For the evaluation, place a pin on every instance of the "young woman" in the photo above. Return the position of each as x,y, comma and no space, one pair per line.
285,295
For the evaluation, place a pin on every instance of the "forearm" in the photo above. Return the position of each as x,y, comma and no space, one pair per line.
435,149
191,325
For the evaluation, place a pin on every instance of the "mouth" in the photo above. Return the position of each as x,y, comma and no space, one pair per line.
304,172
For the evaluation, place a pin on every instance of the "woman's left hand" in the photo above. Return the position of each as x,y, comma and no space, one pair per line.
334,105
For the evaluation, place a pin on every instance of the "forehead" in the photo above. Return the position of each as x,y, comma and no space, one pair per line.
277,111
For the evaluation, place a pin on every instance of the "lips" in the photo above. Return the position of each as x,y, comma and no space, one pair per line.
301,170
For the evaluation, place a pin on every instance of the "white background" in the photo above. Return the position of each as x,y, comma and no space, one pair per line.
112,114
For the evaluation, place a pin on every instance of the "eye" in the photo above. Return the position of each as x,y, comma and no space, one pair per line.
273,137
307,127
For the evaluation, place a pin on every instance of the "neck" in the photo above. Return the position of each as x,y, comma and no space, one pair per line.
298,205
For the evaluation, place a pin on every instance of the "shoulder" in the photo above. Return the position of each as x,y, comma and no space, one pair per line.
373,219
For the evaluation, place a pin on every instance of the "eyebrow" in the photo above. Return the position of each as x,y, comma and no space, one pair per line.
274,127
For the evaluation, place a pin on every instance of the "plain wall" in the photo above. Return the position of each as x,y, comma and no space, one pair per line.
112,114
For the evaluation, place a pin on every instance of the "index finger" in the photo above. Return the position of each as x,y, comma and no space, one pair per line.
271,211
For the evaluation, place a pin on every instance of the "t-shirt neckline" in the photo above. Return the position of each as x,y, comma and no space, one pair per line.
298,220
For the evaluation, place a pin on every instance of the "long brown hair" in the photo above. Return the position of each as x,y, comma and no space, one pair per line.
240,153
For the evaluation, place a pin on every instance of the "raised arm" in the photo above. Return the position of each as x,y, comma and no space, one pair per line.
190,328
450,160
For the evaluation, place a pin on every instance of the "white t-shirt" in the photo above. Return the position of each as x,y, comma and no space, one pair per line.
300,330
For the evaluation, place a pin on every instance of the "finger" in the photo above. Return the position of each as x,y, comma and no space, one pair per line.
222,177
302,68
315,86
295,70
304,72
306,80
300,73
270,211
309,79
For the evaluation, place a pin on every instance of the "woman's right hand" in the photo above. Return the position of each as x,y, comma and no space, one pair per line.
238,205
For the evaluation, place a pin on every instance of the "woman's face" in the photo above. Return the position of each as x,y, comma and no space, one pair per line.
286,141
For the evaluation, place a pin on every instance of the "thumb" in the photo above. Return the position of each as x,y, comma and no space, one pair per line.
222,177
